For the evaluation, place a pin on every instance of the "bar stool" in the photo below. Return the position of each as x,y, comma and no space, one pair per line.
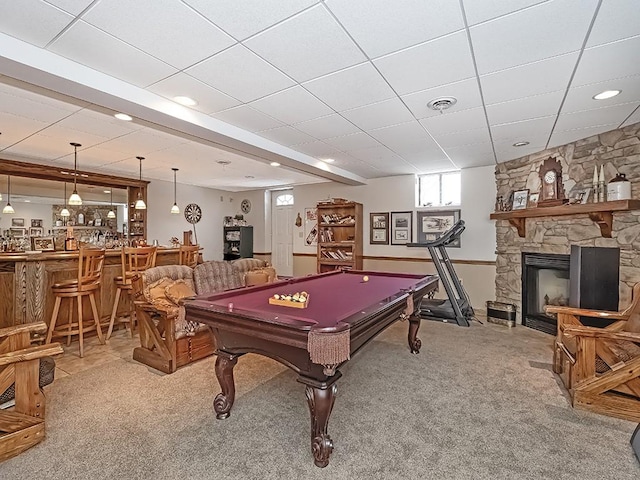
189,255
133,260
90,262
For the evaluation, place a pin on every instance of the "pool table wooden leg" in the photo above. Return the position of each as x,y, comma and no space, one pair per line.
224,371
320,405
414,341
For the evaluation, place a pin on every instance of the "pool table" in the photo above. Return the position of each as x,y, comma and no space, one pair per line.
344,311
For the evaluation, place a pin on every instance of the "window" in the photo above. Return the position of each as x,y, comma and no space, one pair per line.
284,199
439,189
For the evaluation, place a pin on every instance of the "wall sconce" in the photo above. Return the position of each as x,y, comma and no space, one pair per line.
298,220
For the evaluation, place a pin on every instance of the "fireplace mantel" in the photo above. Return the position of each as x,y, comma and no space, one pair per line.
600,213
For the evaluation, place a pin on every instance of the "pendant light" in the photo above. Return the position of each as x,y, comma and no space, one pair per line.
111,213
8,209
175,209
64,213
140,205
75,199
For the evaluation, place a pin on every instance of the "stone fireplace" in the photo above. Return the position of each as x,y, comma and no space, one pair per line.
619,152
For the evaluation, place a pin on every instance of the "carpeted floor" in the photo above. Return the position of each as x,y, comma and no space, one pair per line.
477,403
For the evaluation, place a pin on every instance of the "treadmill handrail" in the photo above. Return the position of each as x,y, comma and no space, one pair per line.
446,238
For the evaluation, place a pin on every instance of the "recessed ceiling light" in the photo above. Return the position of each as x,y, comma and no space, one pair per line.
186,101
27,201
328,160
520,144
249,176
274,164
123,116
107,191
606,94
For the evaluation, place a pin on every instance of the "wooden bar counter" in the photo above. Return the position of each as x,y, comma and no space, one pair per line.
26,279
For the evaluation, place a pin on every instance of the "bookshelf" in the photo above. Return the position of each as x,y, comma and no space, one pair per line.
339,235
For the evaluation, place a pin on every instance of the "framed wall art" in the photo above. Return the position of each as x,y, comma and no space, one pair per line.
520,199
401,228
310,226
45,244
432,224
379,228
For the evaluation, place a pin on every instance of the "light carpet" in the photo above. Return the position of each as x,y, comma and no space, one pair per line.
476,403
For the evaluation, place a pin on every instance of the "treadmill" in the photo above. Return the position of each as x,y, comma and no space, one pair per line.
458,306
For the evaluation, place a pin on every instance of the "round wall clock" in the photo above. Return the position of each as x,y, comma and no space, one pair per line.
245,206
193,213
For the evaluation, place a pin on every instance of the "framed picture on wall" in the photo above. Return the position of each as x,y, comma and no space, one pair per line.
401,228
432,224
36,231
17,222
310,226
379,228
36,222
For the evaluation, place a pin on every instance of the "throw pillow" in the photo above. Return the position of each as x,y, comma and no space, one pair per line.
178,291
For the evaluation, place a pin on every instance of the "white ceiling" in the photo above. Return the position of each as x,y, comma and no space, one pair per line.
306,80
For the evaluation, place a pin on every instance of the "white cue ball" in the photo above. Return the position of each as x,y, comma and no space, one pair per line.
365,279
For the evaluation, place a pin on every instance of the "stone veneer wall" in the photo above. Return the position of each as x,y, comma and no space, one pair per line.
619,152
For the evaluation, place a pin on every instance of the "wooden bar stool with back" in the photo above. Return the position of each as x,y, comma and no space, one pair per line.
189,255
134,260
90,263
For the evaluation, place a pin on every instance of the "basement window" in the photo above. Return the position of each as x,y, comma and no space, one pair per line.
439,189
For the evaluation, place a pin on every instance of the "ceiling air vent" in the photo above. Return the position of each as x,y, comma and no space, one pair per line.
442,103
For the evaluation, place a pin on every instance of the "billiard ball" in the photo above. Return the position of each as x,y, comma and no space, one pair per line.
365,278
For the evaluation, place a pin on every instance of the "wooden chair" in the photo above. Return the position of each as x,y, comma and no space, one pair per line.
90,263
22,427
189,255
133,260
601,366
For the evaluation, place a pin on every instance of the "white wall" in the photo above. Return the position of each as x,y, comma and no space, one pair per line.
398,194
215,205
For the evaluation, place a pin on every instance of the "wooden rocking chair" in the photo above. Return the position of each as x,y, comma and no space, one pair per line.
600,367
22,427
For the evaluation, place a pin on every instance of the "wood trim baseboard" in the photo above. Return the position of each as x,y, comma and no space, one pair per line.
489,263
264,253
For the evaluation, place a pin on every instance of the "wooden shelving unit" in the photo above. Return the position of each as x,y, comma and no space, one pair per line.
137,221
600,213
237,242
339,236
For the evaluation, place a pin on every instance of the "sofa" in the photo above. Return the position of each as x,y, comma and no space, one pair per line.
168,340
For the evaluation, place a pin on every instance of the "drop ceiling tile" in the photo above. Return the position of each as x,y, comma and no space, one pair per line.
240,74
29,105
89,46
170,31
74,7
16,128
19,18
465,92
98,156
41,146
458,139
307,45
506,152
615,114
243,18
467,156
375,155
525,108
624,14
327,127
614,60
406,137
351,88
569,136
547,30
286,136
246,117
550,75
430,162
633,118
209,99
470,119
378,115
64,135
352,142
478,11
581,98
98,124
438,62
382,27
523,131
145,142
293,105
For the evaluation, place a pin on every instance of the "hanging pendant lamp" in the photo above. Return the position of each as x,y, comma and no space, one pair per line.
111,213
140,205
75,199
64,213
175,209
8,209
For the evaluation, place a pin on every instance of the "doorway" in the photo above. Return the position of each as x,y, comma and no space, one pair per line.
282,232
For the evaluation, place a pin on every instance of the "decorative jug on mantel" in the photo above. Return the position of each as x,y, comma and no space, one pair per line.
619,188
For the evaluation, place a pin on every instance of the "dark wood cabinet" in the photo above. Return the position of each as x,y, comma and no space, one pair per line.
237,242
